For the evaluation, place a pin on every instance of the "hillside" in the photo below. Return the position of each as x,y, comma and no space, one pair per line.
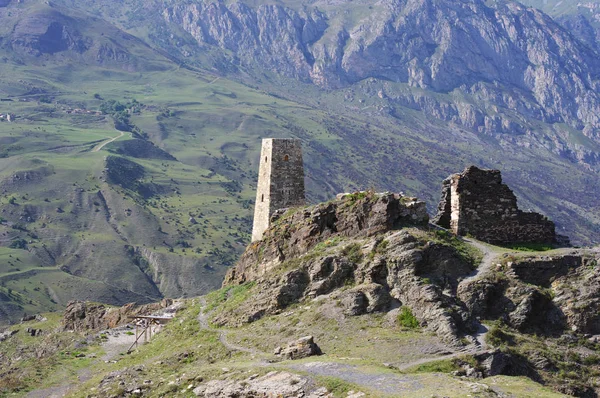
397,309
128,172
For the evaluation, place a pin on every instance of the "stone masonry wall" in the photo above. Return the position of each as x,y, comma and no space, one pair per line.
476,202
280,181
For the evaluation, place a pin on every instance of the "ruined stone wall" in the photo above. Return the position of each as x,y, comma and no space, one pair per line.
477,203
280,181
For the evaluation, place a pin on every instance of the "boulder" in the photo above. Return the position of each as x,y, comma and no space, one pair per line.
7,334
301,348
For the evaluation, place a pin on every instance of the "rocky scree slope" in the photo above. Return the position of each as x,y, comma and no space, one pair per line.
582,19
374,253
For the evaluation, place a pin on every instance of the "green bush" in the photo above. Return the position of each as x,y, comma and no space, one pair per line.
353,252
407,319
18,244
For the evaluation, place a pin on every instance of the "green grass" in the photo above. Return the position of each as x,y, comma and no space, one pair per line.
530,247
470,253
339,388
229,297
443,366
59,362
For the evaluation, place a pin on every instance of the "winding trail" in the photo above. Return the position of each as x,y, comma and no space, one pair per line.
102,145
203,320
486,262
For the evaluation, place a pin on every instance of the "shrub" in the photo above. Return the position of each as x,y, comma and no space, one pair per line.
18,244
407,319
353,252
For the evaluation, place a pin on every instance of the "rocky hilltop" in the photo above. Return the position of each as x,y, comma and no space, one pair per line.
393,95
375,253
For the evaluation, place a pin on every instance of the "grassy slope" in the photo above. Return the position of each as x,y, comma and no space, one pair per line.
184,351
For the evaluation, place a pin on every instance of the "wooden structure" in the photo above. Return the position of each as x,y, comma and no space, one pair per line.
143,327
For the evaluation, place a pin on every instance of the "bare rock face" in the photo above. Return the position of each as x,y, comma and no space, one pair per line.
366,299
547,295
48,33
302,348
7,334
539,70
81,316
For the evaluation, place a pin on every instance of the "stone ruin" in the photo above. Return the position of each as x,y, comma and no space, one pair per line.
474,203
477,203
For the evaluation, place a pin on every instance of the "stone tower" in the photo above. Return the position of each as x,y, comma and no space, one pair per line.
280,181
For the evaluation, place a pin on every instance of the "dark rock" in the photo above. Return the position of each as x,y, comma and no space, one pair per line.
33,332
501,363
7,334
543,270
27,318
365,299
327,274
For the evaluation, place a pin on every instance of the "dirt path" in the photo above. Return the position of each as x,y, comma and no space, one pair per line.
486,262
118,342
102,145
387,383
203,320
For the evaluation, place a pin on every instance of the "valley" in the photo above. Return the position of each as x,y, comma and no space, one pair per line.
128,173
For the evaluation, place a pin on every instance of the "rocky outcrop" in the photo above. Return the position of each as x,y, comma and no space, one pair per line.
547,295
7,334
477,203
294,232
356,243
83,316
